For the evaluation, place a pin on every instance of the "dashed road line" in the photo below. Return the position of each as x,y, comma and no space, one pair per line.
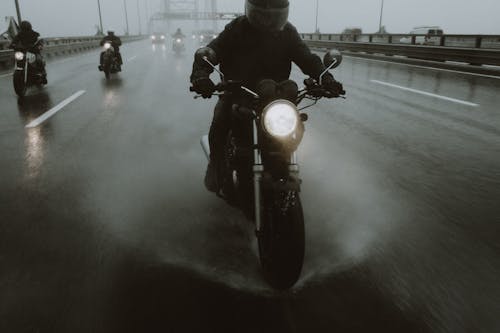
420,92
55,109
426,67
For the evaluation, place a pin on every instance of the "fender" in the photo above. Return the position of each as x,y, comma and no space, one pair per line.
291,183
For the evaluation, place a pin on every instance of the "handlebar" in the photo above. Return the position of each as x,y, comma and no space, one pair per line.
312,89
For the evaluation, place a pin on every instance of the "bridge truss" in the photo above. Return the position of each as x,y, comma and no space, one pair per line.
191,10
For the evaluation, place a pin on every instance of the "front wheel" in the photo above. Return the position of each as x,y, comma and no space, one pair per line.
107,72
282,240
19,84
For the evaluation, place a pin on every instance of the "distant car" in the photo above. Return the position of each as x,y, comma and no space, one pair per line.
158,37
204,36
352,31
423,34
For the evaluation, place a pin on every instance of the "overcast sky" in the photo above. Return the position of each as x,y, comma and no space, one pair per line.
79,17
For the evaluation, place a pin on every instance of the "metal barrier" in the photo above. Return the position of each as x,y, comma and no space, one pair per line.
433,53
462,41
62,46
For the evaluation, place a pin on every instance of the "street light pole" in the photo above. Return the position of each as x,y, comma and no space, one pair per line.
100,16
18,12
148,17
381,14
139,18
126,15
317,13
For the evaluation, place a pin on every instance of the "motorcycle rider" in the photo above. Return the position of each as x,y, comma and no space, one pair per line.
26,39
262,44
116,42
178,39
178,34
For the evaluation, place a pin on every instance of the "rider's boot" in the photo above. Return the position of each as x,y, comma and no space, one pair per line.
211,179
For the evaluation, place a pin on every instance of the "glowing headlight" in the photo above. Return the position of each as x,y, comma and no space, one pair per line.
178,40
153,37
202,38
107,46
214,36
19,56
162,37
280,118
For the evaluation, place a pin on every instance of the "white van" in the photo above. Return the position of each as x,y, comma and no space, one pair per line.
424,36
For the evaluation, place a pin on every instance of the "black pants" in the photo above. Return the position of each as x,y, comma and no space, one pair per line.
221,124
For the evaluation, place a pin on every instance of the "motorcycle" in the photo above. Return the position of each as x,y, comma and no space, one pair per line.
110,64
29,68
178,45
259,172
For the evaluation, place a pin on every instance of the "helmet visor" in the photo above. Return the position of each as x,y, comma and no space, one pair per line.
267,19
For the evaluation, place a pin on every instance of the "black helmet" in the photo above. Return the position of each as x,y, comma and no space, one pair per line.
111,33
25,26
267,15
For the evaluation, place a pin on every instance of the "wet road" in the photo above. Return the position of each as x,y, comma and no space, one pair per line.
105,225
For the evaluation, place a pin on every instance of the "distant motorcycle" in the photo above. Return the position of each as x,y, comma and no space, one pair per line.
260,170
110,63
178,45
29,68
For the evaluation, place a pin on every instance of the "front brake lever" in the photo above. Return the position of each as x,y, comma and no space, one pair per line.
215,94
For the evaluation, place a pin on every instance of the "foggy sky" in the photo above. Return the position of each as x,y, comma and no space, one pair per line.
79,17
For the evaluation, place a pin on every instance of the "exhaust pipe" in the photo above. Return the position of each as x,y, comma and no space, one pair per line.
206,146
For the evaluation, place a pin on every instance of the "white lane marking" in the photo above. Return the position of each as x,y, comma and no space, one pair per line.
425,93
131,59
55,109
6,75
427,67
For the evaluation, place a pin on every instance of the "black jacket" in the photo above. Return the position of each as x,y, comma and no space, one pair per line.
25,39
249,55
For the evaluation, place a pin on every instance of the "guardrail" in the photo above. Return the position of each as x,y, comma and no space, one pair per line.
462,41
461,58
62,46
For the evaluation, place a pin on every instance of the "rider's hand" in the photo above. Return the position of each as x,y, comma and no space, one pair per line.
332,86
204,86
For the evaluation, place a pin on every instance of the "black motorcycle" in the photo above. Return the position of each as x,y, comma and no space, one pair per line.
260,170
178,45
110,62
29,68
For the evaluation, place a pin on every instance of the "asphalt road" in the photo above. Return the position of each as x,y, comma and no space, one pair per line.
105,225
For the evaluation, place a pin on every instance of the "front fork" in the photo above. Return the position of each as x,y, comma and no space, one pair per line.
25,69
258,170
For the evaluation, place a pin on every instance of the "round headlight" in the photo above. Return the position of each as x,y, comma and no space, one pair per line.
280,118
162,37
19,55
107,46
178,40
153,37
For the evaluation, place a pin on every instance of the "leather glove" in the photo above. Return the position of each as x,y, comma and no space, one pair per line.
204,86
333,86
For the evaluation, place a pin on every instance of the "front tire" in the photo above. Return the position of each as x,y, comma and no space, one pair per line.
19,84
282,243
107,72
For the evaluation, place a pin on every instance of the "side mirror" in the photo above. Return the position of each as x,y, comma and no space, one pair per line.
206,54
332,59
